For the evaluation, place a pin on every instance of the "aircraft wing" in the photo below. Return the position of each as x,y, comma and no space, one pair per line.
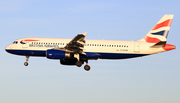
76,45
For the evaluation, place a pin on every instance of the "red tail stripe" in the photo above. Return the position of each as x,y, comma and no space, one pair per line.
166,23
151,40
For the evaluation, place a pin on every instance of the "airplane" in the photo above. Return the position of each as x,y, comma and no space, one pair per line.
78,50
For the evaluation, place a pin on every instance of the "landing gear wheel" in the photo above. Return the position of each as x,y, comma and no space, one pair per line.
78,63
26,63
87,67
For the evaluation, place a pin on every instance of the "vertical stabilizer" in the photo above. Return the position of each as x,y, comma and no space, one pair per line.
160,31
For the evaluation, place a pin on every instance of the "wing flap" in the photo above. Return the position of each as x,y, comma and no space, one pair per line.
76,45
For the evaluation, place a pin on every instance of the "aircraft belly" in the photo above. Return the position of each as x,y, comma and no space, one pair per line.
27,52
119,55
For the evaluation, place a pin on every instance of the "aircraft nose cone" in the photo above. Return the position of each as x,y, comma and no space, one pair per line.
8,48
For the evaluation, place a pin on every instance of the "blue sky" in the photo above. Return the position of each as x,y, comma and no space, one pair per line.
150,79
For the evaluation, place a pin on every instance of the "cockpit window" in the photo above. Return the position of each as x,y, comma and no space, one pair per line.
15,42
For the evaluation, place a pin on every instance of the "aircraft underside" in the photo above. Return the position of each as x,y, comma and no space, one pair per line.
73,61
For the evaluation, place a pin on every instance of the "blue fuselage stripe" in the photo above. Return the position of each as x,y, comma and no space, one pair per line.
102,55
27,52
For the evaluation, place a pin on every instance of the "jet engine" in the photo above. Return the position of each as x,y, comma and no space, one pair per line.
68,61
58,54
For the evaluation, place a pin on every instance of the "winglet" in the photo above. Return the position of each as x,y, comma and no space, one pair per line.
85,34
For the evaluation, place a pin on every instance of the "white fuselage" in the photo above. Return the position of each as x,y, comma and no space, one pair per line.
33,45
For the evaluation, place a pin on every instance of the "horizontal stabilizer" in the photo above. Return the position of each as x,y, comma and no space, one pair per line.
158,45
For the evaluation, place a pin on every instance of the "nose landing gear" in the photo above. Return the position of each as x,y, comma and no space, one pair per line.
26,63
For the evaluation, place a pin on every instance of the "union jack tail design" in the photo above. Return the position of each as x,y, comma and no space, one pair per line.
160,31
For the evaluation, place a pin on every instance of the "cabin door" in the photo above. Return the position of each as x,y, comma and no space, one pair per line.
136,47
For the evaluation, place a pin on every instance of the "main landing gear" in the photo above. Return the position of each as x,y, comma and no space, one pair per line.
86,67
79,63
26,63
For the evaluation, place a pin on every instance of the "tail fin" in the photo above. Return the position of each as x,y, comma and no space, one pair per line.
160,31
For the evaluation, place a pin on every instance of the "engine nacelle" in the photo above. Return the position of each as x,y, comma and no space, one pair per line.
68,61
57,54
